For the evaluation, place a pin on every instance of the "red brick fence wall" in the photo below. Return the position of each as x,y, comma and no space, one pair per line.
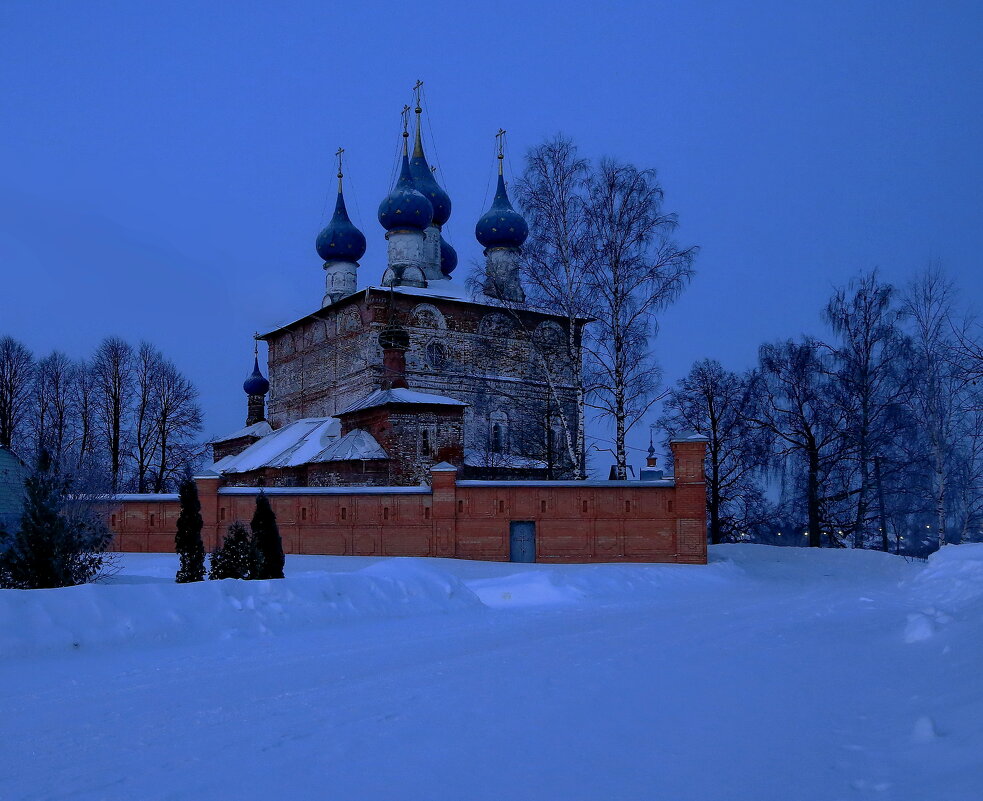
576,521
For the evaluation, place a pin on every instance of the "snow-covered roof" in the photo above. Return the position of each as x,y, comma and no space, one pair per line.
384,397
260,429
690,436
308,441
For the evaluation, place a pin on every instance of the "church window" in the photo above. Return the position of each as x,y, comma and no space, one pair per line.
498,432
497,324
427,316
426,448
437,355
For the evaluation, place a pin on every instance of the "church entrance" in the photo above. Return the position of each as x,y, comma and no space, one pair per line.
522,541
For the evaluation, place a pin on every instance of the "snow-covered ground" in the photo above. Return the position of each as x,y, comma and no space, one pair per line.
771,673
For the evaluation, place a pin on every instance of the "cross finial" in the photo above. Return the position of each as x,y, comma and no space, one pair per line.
500,142
405,113
256,344
339,154
416,94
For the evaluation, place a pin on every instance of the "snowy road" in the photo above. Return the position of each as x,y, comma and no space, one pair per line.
771,674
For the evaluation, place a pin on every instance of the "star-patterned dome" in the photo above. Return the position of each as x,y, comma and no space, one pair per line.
501,226
340,240
448,258
405,207
425,182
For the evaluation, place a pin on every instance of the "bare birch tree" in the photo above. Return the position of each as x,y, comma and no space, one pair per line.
83,397
869,383
147,385
177,420
805,423
635,269
938,381
16,376
719,404
112,371
554,268
53,408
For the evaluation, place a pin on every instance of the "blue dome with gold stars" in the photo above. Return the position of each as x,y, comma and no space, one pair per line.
427,185
340,240
501,226
448,258
405,207
256,384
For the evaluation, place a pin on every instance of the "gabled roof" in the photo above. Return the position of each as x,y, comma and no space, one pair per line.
312,440
260,429
387,397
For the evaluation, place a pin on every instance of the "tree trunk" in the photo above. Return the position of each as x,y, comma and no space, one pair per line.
815,535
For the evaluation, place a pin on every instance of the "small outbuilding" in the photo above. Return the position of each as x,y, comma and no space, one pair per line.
13,474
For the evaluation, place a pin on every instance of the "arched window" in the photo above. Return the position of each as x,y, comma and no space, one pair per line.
437,355
426,448
498,432
426,315
496,438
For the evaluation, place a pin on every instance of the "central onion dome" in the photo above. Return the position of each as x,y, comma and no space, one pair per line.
256,384
448,258
424,181
340,240
501,226
405,208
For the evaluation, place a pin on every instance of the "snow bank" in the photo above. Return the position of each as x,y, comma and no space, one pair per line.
155,611
953,577
621,583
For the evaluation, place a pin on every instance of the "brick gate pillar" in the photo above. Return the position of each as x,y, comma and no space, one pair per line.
443,483
688,453
208,484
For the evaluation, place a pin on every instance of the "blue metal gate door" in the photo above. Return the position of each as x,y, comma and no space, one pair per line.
522,541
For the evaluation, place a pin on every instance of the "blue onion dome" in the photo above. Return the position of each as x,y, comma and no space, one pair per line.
340,240
425,183
501,226
404,207
256,384
448,258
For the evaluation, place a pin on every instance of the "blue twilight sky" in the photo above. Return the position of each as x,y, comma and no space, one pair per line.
166,166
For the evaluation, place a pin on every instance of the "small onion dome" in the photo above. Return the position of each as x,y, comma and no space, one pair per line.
448,258
256,384
405,207
501,226
340,240
425,183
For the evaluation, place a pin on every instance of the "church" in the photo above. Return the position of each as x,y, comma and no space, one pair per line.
428,417
380,383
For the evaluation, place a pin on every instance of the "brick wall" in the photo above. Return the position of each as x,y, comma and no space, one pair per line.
599,521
